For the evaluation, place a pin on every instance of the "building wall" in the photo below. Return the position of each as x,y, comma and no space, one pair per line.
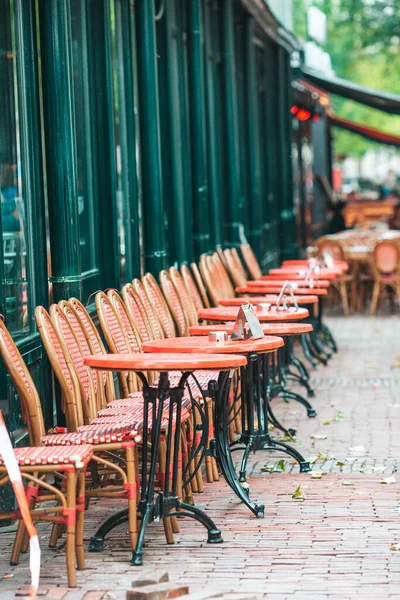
133,136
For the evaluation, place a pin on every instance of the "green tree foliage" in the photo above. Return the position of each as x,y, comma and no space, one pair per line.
363,40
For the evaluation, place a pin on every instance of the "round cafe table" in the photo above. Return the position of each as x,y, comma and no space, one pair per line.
155,505
274,315
254,409
300,274
303,283
322,337
288,331
268,298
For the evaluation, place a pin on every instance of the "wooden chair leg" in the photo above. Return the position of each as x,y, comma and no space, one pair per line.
188,488
132,494
375,297
70,526
169,535
344,297
80,519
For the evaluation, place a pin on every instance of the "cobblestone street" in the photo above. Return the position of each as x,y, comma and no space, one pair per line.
338,541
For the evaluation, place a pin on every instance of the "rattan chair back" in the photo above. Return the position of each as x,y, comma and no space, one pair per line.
160,305
250,261
137,313
174,303
148,308
63,368
24,384
184,296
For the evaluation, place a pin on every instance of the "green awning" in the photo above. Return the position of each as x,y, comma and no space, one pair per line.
389,103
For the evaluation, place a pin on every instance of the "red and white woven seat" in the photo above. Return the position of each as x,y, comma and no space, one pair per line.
89,434
134,416
61,456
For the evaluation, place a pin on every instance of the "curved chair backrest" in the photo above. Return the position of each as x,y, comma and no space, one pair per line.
75,324
191,288
129,326
220,251
63,368
237,276
23,382
251,261
229,290
332,247
142,297
184,296
214,290
160,305
200,285
116,339
84,374
137,313
174,303
386,258
95,344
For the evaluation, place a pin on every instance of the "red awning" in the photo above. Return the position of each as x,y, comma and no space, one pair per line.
372,134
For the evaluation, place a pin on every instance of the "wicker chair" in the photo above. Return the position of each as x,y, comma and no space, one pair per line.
174,303
105,438
35,462
185,297
149,309
341,283
386,271
251,261
235,267
200,285
198,298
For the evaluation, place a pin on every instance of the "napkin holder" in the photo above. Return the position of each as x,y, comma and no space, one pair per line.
282,296
247,324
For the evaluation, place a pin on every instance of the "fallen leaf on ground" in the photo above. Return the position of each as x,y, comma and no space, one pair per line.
313,460
326,422
317,474
280,466
340,463
298,492
318,436
339,416
389,480
348,482
268,468
322,456
395,547
286,438
396,363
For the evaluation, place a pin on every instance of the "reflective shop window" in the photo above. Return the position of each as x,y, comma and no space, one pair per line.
84,161
11,182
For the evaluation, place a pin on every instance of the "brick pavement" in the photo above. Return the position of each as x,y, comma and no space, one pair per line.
334,543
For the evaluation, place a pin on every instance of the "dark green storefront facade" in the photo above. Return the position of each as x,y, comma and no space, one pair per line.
134,135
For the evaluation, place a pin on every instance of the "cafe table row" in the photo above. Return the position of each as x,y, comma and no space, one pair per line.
188,355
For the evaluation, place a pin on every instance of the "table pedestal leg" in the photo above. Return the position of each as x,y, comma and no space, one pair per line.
166,503
224,456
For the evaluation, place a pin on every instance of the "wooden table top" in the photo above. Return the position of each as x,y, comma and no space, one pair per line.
198,345
267,280
230,314
269,298
280,329
271,288
165,362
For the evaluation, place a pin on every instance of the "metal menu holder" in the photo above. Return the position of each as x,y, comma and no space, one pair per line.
282,296
247,324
